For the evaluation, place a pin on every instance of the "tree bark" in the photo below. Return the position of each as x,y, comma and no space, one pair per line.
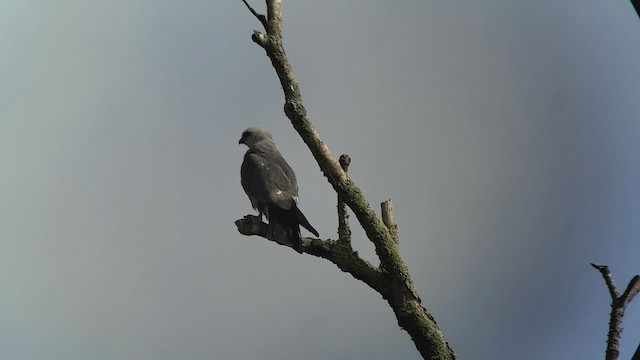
618,306
392,278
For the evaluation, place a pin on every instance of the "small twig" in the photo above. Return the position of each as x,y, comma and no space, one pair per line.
618,306
260,39
606,274
389,220
344,232
262,18
632,289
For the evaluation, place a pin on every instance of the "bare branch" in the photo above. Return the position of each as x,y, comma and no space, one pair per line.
636,5
618,306
274,16
260,17
606,274
386,249
636,355
338,253
632,290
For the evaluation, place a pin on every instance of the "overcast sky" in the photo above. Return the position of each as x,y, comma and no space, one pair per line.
506,133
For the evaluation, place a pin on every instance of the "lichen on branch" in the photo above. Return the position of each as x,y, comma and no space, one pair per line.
392,279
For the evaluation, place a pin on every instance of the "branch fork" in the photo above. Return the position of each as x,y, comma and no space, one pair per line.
618,306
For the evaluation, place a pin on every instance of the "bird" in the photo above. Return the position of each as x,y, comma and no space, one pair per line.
271,186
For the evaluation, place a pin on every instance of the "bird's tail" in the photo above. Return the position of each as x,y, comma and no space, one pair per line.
284,226
302,220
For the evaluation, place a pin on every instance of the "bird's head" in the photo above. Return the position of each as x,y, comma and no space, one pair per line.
252,136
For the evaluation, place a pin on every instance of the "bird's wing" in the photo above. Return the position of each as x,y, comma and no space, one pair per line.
266,182
250,180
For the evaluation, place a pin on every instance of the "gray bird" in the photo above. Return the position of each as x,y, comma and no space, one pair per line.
272,188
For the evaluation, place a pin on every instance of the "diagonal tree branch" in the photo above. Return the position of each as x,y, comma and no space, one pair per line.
402,297
274,16
259,16
636,355
636,5
632,290
618,306
386,249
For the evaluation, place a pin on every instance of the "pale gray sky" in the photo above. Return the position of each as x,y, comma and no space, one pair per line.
506,133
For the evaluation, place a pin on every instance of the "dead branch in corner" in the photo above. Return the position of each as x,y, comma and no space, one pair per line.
618,306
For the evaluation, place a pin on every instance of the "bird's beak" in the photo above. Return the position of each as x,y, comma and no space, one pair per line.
243,139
